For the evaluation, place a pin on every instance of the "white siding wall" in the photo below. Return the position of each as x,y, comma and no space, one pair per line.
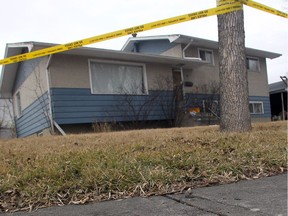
73,72
258,81
175,51
33,87
69,71
204,75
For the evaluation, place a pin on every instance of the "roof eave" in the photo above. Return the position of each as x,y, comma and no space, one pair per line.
262,53
129,43
198,42
8,74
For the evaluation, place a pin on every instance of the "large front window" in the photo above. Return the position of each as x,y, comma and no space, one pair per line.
109,77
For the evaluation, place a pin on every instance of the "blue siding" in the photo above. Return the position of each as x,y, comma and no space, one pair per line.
195,100
33,117
266,106
75,106
154,47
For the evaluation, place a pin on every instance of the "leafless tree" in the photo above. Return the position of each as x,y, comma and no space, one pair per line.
40,94
171,100
38,91
211,101
135,106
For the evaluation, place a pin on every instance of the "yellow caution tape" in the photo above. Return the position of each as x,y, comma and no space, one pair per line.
225,2
254,4
263,8
153,25
224,6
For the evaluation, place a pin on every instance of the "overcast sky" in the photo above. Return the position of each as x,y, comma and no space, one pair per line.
63,21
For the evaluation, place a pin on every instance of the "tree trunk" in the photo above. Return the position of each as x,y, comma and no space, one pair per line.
234,95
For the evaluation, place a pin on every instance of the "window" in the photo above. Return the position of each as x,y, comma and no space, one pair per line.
256,107
210,106
18,104
206,55
117,78
252,64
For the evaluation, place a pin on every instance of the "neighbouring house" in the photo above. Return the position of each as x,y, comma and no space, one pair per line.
89,85
278,99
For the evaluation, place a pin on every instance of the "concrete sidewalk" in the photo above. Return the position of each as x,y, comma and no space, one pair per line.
265,196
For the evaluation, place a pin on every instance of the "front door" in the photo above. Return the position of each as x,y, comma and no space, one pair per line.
177,84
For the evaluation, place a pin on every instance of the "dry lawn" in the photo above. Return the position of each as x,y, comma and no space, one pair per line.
44,171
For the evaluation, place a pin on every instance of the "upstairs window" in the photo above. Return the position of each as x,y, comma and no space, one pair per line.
109,77
256,107
206,55
252,64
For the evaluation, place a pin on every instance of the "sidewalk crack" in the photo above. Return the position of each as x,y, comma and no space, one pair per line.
194,206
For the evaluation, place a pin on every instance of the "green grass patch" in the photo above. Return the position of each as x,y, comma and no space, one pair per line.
45,171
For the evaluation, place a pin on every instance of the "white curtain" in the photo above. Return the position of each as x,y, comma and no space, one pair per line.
110,78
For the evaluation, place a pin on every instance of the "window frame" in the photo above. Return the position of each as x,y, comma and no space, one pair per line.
206,50
258,63
124,63
256,102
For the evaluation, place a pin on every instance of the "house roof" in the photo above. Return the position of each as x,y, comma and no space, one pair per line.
9,71
184,39
277,87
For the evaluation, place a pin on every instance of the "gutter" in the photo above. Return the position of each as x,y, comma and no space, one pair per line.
52,122
185,48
